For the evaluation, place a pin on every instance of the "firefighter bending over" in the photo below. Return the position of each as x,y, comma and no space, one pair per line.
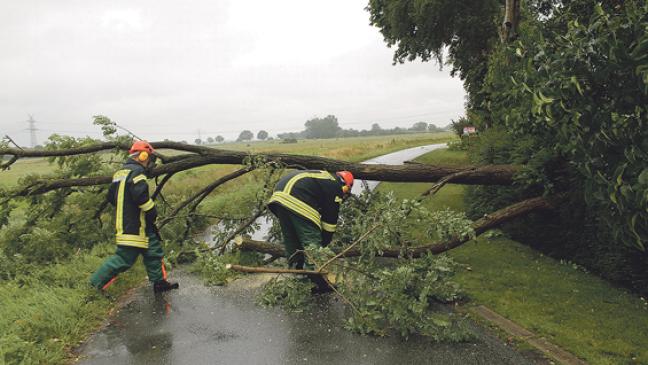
307,204
135,223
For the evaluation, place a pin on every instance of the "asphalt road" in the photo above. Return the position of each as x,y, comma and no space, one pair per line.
223,325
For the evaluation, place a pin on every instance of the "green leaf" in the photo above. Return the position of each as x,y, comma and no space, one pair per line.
577,84
544,99
643,177
633,225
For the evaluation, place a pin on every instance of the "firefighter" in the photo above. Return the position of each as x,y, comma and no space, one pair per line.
307,204
136,233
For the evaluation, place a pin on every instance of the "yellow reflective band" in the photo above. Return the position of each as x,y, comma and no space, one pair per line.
132,240
120,175
139,178
299,209
132,237
315,175
119,221
133,244
328,227
147,206
142,230
297,206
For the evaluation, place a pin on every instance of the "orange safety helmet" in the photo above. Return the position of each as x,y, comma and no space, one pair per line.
347,178
143,149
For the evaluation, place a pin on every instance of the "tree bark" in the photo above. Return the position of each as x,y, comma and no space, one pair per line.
510,25
480,226
254,269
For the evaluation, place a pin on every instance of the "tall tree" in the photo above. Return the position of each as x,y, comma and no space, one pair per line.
419,127
245,135
219,139
262,135
322,127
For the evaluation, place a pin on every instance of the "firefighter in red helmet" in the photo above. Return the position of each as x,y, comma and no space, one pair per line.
136,232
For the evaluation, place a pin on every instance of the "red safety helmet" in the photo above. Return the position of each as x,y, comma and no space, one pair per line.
347,178
139,146
142,149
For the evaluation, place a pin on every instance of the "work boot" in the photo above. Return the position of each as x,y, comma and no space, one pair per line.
321,285
163,285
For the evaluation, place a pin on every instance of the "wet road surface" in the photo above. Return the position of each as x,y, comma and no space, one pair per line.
223,325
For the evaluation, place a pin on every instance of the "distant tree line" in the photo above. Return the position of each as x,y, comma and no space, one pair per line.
209,140
328,127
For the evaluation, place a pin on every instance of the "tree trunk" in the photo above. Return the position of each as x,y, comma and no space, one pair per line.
510,25
471,175
480,226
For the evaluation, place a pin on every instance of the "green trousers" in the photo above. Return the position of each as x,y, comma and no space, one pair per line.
298,232
125,257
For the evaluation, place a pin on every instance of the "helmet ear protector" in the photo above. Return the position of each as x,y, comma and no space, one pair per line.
143,156
346,178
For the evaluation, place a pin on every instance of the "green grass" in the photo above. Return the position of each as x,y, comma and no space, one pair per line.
573,309
577,311
46,313
23,167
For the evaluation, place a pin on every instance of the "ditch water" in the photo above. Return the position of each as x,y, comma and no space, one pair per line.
223,325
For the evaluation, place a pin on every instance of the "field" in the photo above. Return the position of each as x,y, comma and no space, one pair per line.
558,300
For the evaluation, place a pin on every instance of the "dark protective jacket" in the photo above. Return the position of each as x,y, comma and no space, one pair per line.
135,211
312,194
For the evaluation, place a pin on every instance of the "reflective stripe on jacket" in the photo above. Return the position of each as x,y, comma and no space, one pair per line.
135,212
312,194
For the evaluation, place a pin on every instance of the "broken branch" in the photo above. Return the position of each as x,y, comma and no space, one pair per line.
252,269
240,229
480,226
348,248
204,192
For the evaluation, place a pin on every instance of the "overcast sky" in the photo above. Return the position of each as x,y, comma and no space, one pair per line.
169,69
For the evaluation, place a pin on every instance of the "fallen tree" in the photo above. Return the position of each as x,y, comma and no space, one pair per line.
201,156
480,226
418,275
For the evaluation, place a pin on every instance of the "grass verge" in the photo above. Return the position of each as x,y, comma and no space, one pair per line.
48,312
577,311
